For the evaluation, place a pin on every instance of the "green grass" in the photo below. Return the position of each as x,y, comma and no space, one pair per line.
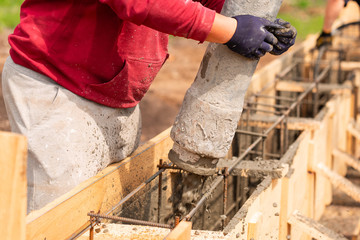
9,13
307,16
304,26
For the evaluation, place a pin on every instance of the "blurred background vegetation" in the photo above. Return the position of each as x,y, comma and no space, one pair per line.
305,15
9,13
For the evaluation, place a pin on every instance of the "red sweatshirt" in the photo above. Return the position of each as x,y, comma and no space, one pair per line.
107,51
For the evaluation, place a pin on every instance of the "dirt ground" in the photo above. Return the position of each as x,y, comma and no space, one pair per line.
163,100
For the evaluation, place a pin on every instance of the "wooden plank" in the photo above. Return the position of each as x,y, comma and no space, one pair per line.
98,193
338,181
313,228
13,155
347,158
181,232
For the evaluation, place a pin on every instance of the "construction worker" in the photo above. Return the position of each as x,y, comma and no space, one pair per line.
332,11
78,69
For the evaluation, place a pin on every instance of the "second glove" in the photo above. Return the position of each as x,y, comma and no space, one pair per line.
252,38
285,36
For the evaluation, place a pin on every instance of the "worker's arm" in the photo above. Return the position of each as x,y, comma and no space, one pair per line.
332,11
222,29
247,35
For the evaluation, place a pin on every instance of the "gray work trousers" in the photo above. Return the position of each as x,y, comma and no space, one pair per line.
70,139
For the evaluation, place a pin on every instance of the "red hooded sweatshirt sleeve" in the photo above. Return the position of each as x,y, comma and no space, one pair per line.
108,51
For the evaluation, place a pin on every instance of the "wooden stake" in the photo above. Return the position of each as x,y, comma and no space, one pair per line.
338,181
283,226
347,158
252,226
313,228
13,154
181,232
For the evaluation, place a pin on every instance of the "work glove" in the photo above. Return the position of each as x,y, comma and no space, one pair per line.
347,1
286,37
252,38
323,39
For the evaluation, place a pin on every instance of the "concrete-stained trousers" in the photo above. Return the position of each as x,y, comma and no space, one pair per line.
70,139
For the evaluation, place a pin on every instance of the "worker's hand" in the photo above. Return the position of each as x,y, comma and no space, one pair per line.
252,38
324,39
285,36
347,1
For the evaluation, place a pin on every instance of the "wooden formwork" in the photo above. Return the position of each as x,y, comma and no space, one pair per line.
286,207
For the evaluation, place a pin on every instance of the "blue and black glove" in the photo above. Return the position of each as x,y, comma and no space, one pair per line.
252,38
324,39
255,36
286,37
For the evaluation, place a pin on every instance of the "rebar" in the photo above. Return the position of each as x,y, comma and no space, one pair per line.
177,220
287,70
160,192
202,200
269,105
225,193
251,133
263,148
262,110
272,155
276,97
130,220
132,193
93,222
282,149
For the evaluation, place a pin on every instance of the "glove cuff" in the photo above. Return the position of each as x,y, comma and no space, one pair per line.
325,34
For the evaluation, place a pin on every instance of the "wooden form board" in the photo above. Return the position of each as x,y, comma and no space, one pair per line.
13,154
97,194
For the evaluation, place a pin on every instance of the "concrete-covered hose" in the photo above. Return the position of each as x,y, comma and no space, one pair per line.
208,118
